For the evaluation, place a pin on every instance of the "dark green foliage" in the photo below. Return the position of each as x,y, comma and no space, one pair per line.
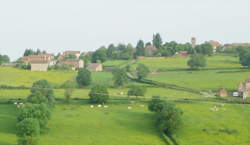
83,77
40,112
28,140
157,41
28,52
37,98
137,91
98,94
28,127
120,77
205,49
169,119
197,61
140,48
100,54
4,59
86,59
126,51
244,54
156,104
142,71
44,87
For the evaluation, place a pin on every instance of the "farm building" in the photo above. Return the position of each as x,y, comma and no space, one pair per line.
94,67
244,88
215,44
150,50
73,63
183,53
222,93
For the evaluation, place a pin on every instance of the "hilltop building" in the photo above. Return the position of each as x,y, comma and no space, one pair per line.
68,52
150,50
244,88
73,63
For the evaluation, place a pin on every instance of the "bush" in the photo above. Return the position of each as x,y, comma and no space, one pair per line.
169,119
156,104
98,94
197,61
27,141
83,77
244,54
44,87
137,91
37,98
28,127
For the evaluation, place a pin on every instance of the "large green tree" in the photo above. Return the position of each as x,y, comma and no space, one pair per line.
28,127
99,55
45,89
4,59
140,48
83,77
157,41
244,55
142,71
197,61
137,91
120,77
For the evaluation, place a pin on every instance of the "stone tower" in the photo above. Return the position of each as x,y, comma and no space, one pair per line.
193,42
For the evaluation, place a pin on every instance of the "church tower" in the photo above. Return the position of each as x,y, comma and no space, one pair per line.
193,42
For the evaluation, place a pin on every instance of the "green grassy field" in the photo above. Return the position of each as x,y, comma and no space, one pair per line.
79,124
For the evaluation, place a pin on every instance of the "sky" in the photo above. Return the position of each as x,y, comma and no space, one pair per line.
59,25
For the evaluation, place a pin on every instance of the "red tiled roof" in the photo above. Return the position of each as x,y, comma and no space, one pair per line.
71,52
214,43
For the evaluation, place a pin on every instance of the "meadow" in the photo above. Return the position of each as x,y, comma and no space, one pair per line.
76,123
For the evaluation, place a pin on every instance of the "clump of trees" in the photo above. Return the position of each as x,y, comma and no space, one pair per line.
83,77
137,91
142,71
120,77
99,94
169,116
68,90
28,52
196,61
33,117
4,59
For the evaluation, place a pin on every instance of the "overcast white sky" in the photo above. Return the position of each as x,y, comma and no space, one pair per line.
57,25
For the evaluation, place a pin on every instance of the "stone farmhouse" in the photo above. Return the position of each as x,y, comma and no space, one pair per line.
39,62
244,88
73,63
94,67
222,92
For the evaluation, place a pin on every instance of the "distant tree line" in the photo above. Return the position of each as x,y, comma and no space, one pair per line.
4,59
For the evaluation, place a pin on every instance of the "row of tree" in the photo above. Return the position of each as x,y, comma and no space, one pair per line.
4,59
33,116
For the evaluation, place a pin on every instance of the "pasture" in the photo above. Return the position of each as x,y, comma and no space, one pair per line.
76,123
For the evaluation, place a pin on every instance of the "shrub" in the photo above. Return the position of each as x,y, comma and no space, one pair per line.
197,61
98,94
169,119
83,77
37,98
28,127
156,104
137,91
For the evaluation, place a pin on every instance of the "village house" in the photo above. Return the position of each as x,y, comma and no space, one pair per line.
183,53
215,44
94,67
244,88
39,62
222,93
150,50
68,52
73,63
